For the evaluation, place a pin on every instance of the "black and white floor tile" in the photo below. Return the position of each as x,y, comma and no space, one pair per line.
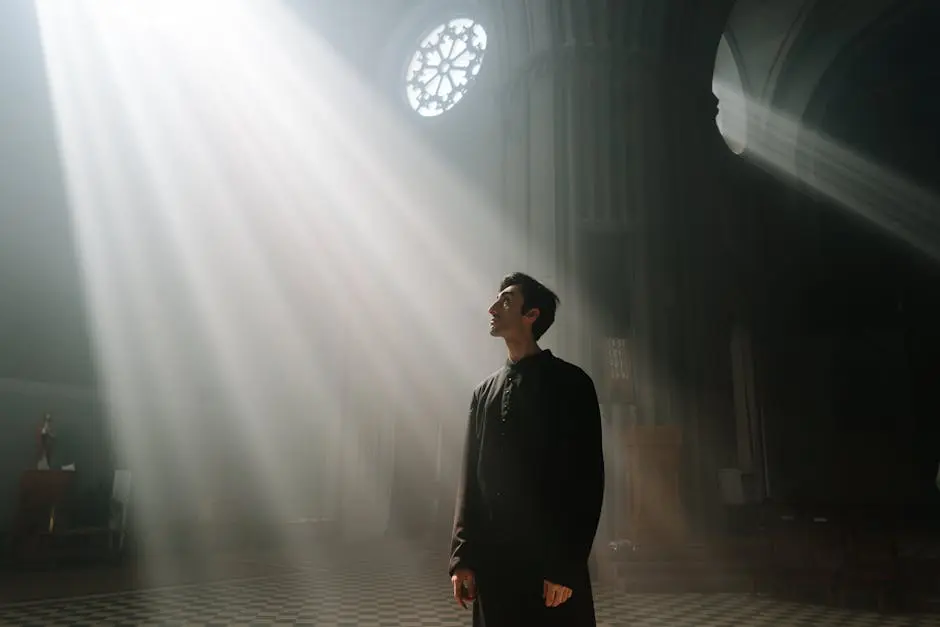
367,594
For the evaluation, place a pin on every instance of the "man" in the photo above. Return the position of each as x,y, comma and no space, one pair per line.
532,482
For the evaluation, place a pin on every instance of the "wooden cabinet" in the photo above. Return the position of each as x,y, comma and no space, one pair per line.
654,459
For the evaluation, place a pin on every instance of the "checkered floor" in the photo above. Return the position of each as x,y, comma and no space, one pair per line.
391,594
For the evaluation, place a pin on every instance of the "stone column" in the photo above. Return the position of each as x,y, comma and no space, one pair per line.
613,173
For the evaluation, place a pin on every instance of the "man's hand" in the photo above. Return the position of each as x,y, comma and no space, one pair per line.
465,587
554,594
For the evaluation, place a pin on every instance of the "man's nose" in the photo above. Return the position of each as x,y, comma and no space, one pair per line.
492,309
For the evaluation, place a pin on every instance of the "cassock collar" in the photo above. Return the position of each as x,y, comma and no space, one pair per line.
528,361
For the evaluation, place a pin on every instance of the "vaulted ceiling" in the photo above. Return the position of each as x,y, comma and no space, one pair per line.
790,53
783,51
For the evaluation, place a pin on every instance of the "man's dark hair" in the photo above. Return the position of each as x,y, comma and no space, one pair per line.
534,296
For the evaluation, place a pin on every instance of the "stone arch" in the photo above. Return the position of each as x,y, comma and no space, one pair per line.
834,80
786,48
875,111
825,36
730,87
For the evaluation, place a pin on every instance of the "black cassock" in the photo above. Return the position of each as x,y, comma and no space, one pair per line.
530,493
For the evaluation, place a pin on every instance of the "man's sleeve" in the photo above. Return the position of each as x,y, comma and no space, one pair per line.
580,477
466,515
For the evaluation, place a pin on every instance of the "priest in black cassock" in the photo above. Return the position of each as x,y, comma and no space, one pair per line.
532,482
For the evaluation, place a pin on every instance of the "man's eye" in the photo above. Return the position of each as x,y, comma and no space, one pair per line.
506,304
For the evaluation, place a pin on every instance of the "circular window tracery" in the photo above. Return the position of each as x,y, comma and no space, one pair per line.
444,66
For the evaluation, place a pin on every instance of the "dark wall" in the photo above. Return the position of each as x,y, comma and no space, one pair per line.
43,328
45,352
849,311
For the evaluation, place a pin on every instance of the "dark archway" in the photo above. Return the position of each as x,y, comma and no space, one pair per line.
881,102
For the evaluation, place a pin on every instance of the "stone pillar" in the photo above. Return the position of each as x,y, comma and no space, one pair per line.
613,174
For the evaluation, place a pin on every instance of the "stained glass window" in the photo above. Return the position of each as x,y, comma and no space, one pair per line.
444,66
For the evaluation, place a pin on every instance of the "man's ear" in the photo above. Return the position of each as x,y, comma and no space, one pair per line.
531,315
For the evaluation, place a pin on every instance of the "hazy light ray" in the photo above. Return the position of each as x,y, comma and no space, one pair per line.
353,106
152,336
348,197
199,282
162,366
91,242
356,287
278,498
407,200
348,191
158,189
377,242
111,332
144,308
872,191
343,180
387,377
395,376
379,125
366,229
192,187
231,371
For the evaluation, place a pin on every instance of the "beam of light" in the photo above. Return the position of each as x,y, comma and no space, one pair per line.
872,191
276,269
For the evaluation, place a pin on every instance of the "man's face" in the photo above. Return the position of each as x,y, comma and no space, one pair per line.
506,318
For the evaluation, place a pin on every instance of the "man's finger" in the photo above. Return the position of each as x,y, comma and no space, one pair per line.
551,599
